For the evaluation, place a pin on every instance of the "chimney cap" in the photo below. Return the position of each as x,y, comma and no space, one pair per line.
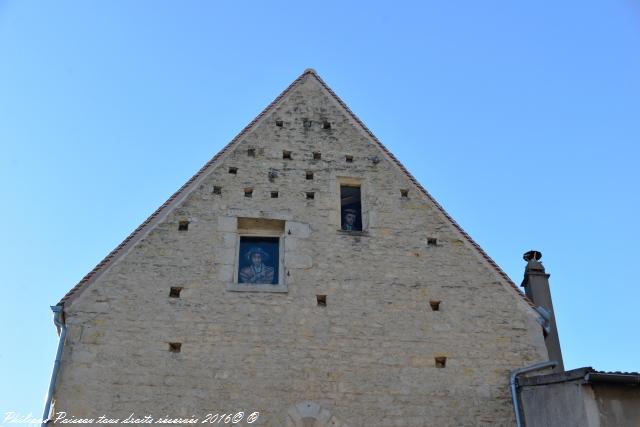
532,255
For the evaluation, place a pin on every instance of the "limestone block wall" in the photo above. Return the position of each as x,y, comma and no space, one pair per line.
367,358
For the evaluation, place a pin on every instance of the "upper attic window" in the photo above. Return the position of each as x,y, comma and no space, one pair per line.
286,155
326,125
279,123
350,208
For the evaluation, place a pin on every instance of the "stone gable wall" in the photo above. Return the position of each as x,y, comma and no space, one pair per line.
366,359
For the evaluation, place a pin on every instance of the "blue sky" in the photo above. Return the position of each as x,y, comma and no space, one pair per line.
521,118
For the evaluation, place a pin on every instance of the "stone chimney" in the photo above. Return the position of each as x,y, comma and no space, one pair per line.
536,287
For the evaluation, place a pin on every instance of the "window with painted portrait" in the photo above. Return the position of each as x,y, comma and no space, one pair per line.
350,208
259,260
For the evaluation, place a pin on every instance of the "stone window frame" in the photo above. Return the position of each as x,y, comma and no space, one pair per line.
242,287
354,182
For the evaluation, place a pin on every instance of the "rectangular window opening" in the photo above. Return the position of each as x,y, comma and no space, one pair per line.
233,170
286,155
404,194
307,123
174,291
321,300
441,362
348,158
175,347
326,125
259,260
350,208
435,305
309,175
183,225
274,194
248,192
311,195
251,152
279,123
432,241
317,155
217,189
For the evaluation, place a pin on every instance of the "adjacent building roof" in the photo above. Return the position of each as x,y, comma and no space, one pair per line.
586,375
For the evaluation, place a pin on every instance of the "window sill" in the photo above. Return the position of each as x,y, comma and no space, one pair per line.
353,233
241,287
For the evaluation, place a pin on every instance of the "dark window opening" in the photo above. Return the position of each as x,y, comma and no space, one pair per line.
307,123
217,189
309,175
175,347
350,208
248,192
233,170
174,292
311,195
441,362
348,159
279,123
435,305
432,241
317,155
286,155
183,225
251,152
274,194
259,261
326,125
322,300
404,193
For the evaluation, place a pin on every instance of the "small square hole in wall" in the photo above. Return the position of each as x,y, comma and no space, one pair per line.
317,155
307,123
248,192
175,347
309,175
174,291
326,125
233,170
311,195
274,194
432,241
183,225
251,152
279,123
435,305
348,159
404,194
217,189
441,362
286,155
321,300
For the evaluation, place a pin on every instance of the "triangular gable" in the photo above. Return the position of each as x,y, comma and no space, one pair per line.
196,179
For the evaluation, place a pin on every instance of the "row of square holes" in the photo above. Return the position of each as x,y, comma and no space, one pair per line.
176,347
184,225
248,192
287,155
174,292
307,124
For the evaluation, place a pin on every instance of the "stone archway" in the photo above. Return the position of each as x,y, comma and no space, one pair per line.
311,414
